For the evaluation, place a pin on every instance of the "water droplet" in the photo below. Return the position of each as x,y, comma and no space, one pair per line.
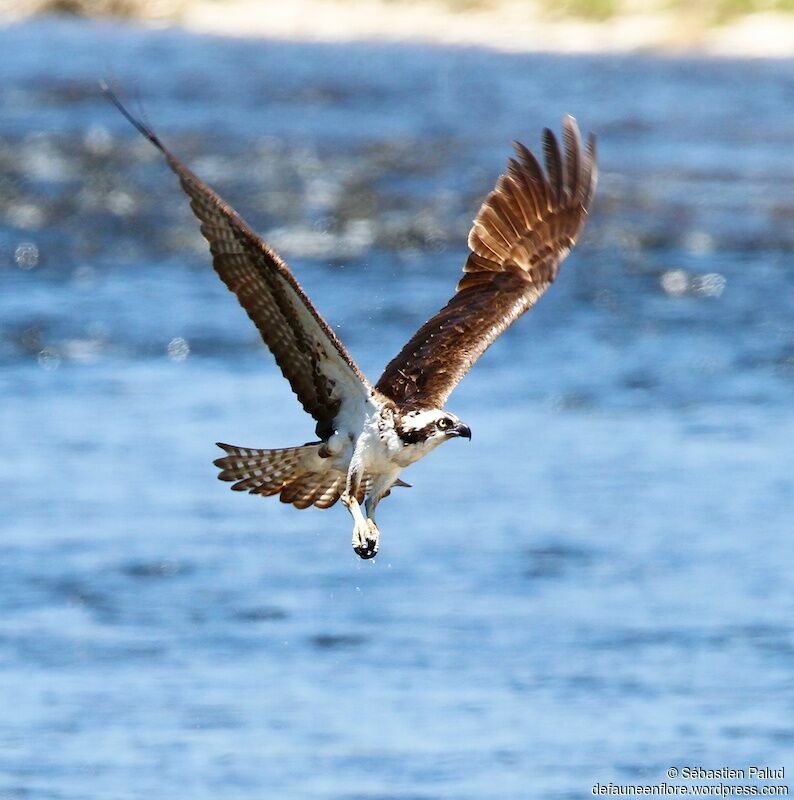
27,255
49,359
712,284
178,349
675,282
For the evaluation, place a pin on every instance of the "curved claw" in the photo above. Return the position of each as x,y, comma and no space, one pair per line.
370,551
365,543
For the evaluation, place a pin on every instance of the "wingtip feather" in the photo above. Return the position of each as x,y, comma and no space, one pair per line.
137,123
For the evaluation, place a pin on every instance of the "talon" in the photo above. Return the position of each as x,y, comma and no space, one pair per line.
370,551
366,544
365,531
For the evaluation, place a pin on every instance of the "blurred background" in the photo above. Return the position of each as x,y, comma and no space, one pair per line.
597,588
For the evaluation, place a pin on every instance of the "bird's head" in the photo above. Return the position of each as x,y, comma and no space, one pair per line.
430,427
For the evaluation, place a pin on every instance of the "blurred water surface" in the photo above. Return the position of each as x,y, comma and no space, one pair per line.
598,587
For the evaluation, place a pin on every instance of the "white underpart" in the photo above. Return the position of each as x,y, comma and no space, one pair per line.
374,447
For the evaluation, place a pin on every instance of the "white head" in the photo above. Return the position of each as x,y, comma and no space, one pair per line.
425,429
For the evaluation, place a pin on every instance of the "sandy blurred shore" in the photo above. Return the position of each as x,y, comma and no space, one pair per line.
506,25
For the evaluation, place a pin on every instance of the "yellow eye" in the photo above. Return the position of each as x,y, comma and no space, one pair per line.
443,424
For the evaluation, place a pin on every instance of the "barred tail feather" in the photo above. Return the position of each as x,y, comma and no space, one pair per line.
298,474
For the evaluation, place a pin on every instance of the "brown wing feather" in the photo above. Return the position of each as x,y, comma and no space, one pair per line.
522,233
318,367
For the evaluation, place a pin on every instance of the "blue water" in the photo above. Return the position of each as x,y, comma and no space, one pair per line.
597,588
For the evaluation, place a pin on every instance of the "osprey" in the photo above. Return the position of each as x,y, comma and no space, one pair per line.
368,434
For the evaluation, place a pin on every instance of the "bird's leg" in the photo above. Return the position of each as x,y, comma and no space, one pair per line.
379,489
365,545
369,507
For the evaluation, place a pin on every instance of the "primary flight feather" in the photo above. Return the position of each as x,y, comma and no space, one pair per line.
369,434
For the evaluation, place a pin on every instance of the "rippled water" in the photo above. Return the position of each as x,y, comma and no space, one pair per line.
598,587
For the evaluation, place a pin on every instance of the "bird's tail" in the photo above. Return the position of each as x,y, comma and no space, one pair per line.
298,474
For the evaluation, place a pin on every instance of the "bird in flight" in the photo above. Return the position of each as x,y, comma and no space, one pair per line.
367,434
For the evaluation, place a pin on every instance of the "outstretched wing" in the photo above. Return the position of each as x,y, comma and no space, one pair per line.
318,367
522,233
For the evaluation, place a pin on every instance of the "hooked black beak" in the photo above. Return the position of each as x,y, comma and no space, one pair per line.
462,430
